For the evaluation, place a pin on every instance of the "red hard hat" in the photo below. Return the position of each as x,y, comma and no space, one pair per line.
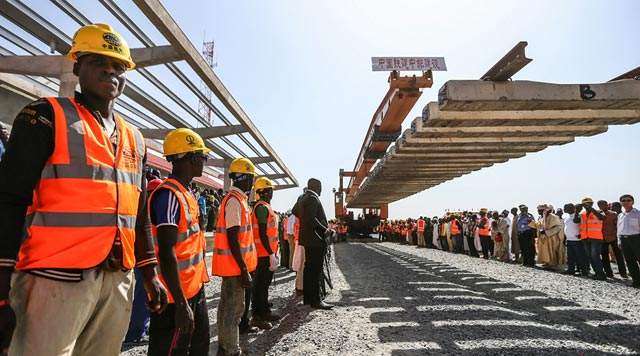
153,184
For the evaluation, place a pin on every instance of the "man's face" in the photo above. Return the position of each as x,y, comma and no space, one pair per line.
101,76
569,208
514,211
495,215
603,206
524,210
617,207
587,204
627,203
197,162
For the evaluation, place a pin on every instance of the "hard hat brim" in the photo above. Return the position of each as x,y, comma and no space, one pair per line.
129,63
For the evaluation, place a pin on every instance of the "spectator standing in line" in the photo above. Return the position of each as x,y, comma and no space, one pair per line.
484,230
591,235
576,258
515,243
629,236
4,139
554,235
526,236
610,238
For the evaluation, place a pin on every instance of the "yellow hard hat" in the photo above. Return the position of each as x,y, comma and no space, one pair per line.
483,210
587,200
263,183
242,166
100,38
183,140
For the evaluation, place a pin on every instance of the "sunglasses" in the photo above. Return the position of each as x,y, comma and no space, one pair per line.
626,200
201,156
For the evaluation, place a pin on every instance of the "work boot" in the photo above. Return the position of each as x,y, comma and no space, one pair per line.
322,305
271,316
261,323
600,277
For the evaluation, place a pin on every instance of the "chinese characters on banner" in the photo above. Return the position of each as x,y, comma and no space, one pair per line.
408,63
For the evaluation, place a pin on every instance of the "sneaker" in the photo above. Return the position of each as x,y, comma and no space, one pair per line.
624,275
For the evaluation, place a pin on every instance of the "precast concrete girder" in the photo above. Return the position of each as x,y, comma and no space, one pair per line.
479,95
457,141
204,132
510,131
432,116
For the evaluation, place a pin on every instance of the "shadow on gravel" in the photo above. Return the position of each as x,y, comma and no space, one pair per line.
420,306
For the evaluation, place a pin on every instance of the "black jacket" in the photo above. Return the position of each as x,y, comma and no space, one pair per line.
313,221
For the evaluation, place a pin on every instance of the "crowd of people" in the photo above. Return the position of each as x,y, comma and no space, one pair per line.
578,239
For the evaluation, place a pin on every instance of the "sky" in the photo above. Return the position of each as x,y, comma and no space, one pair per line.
302,71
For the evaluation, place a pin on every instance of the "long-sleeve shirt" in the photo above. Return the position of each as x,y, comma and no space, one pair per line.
30,146
628,223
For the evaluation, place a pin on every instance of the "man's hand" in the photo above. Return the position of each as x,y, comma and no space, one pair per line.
578,208
155,290
273,262
7,324
184,318
245,279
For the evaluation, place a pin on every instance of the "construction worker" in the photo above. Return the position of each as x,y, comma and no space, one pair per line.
183,327
420,228
72,196
234,254
265,236
484,230
591,235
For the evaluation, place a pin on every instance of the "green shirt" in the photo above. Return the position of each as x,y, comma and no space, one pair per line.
262,214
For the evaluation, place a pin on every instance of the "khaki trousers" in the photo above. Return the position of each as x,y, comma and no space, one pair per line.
292,249
89,317
230,310
300,274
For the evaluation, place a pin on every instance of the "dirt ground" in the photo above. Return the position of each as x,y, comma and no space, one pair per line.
399,300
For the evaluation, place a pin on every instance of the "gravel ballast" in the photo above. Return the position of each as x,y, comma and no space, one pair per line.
398,300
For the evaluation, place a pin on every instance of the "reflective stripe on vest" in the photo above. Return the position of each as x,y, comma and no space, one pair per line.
224,264
87,195
272,230
190,244
590,227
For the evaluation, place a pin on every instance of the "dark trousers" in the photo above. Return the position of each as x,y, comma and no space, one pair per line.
593,249
244,320
458,245
473,252
139,313
164,339
312,276
631,249
260,293
527,247
606,260
284,253
444,243
487,246
576,258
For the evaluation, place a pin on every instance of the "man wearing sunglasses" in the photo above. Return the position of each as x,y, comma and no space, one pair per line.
629,236
183,327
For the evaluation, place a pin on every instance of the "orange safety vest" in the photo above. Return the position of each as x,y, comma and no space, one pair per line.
224,265
190,245
421,225
87,197
455,229
590,227
272,230
486,230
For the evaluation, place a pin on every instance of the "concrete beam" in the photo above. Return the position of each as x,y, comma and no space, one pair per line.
205,132
510,131
151,56
432,116
478,95
277,176
453,156
510,148
284,186
457,141
162,20
220,162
